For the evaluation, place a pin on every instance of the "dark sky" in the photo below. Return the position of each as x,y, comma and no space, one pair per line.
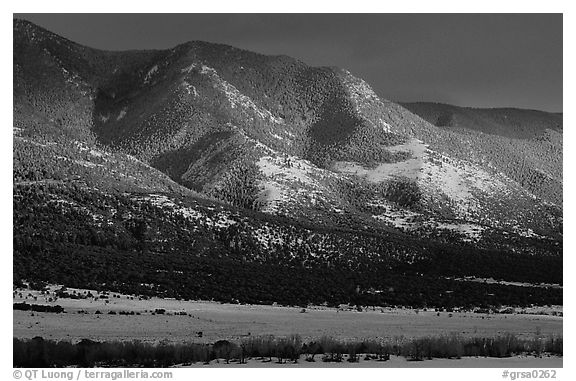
479,60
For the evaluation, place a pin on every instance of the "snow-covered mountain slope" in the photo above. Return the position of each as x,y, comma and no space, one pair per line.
526,145
265,159
274,134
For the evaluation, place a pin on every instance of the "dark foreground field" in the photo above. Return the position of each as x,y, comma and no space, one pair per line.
38,352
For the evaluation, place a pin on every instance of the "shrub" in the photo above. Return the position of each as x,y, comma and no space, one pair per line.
38,352
225,349
37,307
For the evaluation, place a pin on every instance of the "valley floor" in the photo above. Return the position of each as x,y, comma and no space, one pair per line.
401,362
233,322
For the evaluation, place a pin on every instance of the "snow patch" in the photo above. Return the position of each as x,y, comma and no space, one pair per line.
411,168
87,164
150,74
410,221
473,232
33,142
189,68
359,89
528,233
291,184
122,114
190,89
362,94
273,196
221,220
438,176
165,202
507,283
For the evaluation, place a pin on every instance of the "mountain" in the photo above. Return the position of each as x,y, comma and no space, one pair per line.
206,171
508,122
529,142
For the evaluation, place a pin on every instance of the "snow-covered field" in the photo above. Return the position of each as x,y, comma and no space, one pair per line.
401,362
234,322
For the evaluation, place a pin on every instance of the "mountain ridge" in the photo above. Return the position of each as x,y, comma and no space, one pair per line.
445,115
172,136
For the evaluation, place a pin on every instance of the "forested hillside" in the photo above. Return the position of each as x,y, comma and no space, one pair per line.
206,171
